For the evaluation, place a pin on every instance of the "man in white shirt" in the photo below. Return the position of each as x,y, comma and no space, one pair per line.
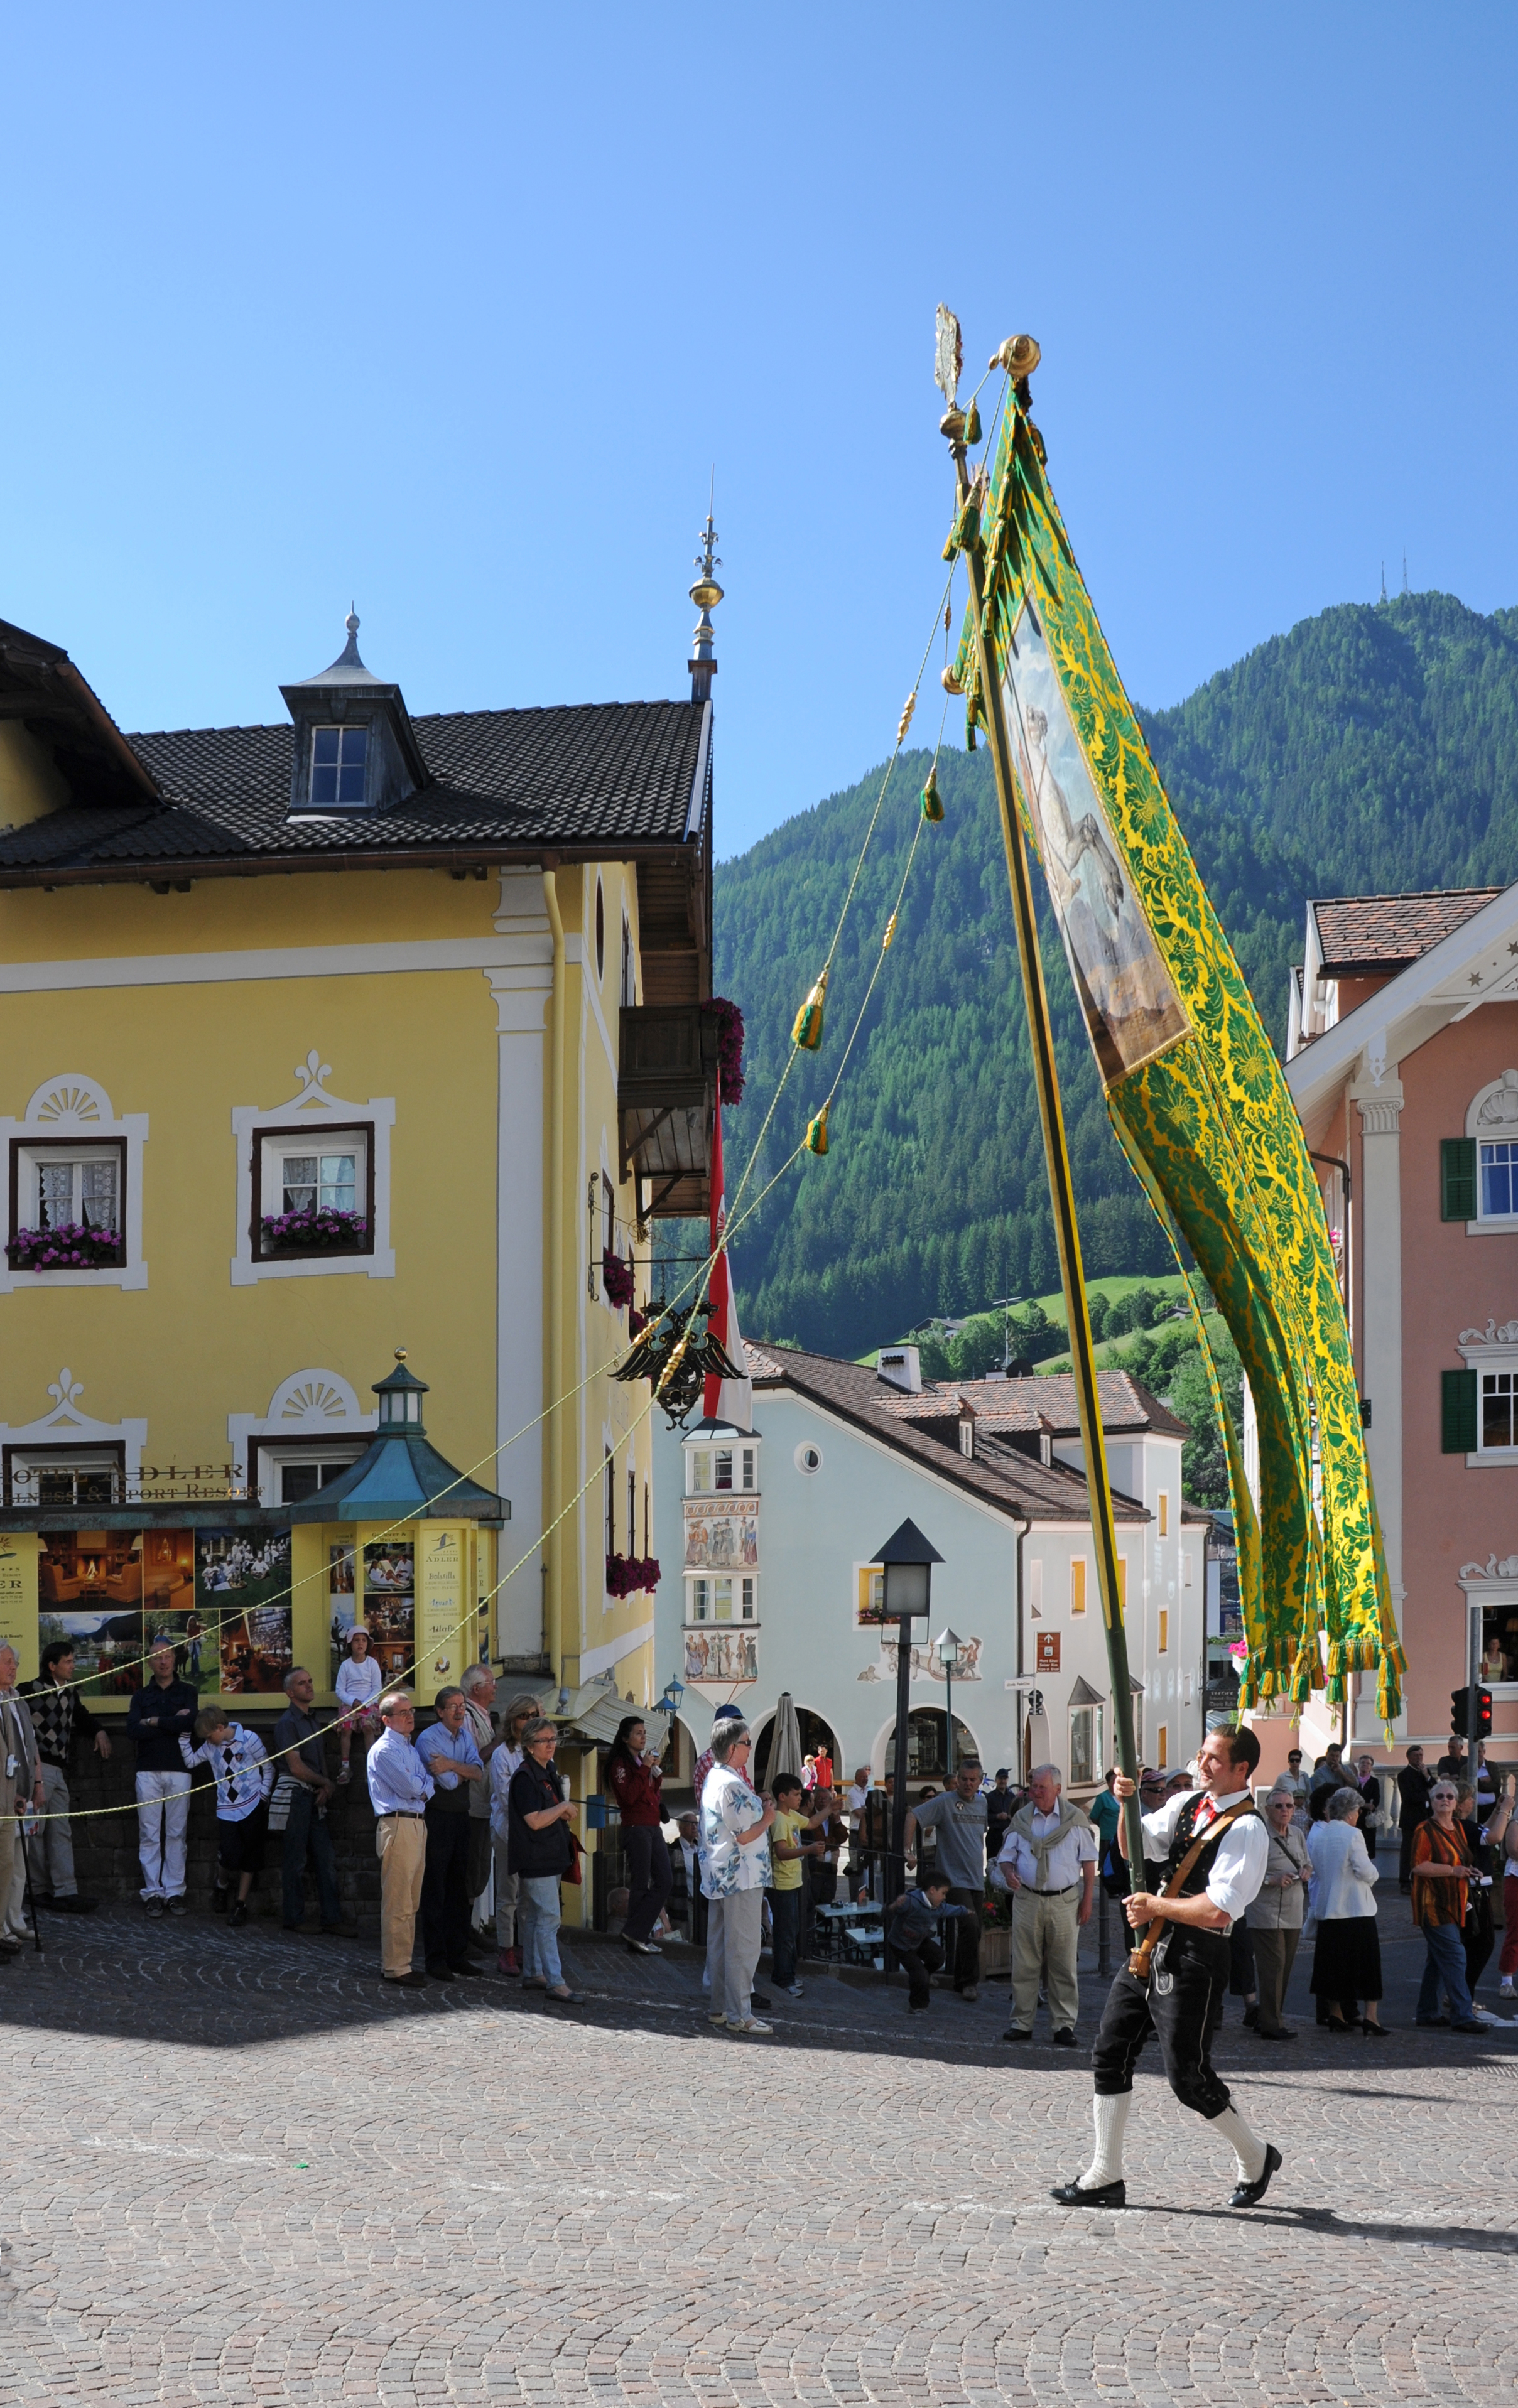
1181,2001
1049,1862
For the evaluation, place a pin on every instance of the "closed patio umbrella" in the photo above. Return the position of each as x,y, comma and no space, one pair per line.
784,1741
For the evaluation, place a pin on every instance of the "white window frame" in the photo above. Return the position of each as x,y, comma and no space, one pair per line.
309,1411
73,1107
1492,1120
69,1426
745,1587
340,730
276,1149
1497,1351
315,1108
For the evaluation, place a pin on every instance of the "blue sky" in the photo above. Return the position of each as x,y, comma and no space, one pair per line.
450,310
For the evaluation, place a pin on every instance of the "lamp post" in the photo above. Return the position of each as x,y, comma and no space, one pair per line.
946,1648
905,1562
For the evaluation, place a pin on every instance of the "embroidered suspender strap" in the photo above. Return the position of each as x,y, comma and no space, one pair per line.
1139,1956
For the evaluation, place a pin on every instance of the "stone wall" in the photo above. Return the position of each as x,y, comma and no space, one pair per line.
105,1845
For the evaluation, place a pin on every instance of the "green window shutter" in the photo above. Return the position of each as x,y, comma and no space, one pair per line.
1457,1179
1458,1416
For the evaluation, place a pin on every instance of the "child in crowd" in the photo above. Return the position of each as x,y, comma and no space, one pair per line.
914,1933
359,1684
244,1777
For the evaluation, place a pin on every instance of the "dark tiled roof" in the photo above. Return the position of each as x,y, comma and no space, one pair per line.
604,775
1021,1407
1360,934
998,1475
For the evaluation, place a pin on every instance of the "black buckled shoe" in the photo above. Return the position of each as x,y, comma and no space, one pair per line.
1112,2194
1251,2194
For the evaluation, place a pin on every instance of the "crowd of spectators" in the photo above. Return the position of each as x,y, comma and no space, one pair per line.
475,1835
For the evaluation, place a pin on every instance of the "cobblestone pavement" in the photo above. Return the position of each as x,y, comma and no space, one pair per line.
240,2173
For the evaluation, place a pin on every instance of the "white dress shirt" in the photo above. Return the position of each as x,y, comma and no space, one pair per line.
1239,1866
1077,1848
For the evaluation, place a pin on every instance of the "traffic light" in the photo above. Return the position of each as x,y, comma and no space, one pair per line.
1460,1712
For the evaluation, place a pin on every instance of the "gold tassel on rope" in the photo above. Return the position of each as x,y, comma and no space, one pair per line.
807,1032
889,937
817,1132
906,719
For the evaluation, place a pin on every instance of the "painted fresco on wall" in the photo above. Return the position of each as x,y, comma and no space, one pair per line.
926,1665
721,1534
727,1656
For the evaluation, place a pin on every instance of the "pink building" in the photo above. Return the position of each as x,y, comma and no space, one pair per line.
1402,1055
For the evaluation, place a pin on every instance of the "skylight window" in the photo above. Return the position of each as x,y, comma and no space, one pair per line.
337,763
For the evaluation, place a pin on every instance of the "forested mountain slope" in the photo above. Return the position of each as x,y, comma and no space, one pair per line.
1371,749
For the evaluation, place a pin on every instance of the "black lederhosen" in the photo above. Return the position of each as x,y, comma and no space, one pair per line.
1180,2003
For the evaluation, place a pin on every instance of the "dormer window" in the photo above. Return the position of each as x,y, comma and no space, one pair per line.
354,749
339,755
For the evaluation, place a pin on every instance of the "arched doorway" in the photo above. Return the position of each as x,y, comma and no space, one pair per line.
927,1734
816,1736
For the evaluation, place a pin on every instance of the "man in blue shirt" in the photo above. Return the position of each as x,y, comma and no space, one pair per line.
448,1749
400,1786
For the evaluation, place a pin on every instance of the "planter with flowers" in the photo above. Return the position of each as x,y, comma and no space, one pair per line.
626,1575
617,1280
314,1233
729,1022
73,1246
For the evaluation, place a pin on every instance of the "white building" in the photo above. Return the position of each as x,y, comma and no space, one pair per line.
767,1540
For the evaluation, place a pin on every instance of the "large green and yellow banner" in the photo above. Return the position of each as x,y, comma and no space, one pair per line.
1193,1089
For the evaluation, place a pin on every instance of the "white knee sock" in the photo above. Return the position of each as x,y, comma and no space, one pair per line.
1111,2117
1247,2148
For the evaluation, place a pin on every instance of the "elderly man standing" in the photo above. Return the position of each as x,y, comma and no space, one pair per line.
399,1788
21,1789
957,1818
477,1682
1049,1863
447,1751
59,1715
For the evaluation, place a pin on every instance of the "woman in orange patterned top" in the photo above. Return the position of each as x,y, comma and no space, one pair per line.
1441,1872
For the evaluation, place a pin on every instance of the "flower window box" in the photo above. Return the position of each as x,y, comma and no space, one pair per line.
626,1575
72,1246
322,1231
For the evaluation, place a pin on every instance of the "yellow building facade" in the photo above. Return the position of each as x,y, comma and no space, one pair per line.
312,1040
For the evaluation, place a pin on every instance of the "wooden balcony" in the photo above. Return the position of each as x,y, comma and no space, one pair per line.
666,1102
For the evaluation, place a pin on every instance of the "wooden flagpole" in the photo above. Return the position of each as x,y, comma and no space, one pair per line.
1056,1155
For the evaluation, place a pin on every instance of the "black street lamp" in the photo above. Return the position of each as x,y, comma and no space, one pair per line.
905,1562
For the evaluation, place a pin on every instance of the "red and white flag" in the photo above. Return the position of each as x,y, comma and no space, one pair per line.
725,1400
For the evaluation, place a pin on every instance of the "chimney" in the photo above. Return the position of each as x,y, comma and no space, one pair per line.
900,1367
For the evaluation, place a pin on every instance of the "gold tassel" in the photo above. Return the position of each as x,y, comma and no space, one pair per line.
888,937
807,1032
972,425
906,719
932,799
817,1132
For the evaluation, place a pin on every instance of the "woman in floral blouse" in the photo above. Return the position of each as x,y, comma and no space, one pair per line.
735,1875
